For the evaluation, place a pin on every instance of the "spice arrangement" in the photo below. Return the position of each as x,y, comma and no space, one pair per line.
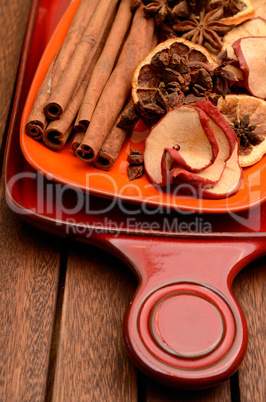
126,60
89,81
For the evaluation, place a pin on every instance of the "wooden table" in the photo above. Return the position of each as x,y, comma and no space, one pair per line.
62,303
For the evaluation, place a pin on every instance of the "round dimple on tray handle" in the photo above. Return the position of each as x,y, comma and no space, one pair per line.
186,326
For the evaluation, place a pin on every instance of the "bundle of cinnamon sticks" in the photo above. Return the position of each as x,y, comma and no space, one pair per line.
87,86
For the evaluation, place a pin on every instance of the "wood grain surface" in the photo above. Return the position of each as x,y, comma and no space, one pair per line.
29,271
62,303
250,290
13,22
92,363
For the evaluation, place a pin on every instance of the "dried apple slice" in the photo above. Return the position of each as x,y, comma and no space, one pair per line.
219,179
207,177
227,185
253,27
260,8
185,128
217,172
251,55
230,181
234,108
231,177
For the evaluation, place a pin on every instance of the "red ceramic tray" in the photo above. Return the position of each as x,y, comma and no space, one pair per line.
184,326
65,168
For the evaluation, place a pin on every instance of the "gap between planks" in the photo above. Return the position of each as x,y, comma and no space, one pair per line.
57,320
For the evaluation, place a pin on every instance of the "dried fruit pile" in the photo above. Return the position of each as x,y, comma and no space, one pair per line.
180,73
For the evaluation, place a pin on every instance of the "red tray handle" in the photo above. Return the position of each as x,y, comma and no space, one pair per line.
184,327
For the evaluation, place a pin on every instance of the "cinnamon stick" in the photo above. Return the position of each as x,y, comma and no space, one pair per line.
155,40
77,140
112,144
115,139
79,63
106,62
75,32
58,131
118,86
37,122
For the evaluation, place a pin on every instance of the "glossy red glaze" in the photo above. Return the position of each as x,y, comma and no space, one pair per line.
184,326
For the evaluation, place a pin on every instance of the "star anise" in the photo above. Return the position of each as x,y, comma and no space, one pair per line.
135,171
171,11
230,7
221,76
136,167
128,118
162,99
159,9
135,158
183,8
201,82
245,134
166,32
204,28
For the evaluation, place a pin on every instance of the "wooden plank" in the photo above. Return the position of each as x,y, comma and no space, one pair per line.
13,22
250,288
92,363
29,270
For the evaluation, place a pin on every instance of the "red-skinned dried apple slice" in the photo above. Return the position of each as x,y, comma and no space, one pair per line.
208,176
230,180
253,27
251,55
214,113
215,173
184,127
228,184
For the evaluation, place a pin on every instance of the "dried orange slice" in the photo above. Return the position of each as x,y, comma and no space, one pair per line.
234,108
167,76
247,12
